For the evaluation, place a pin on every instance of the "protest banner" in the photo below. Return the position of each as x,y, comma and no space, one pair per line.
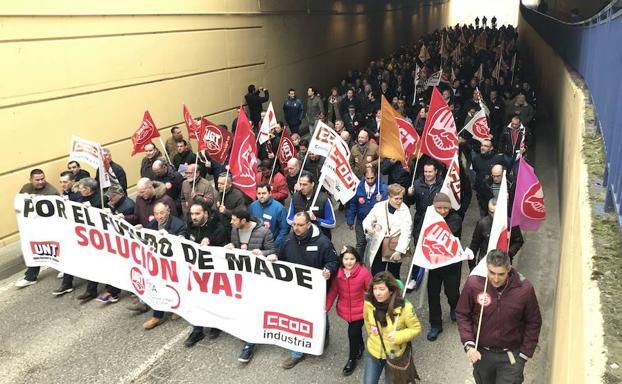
233,290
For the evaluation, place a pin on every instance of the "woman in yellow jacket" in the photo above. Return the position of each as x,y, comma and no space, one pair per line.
383,307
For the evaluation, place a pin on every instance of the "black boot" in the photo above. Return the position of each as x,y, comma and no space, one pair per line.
349,367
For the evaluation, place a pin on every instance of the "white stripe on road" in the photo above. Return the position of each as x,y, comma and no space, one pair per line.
135,374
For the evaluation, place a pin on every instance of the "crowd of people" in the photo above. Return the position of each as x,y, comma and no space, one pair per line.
196,199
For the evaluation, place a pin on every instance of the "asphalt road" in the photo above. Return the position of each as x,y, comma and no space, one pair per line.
45,339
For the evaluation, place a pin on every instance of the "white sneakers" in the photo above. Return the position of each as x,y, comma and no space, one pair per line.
60,275
24,283
412,283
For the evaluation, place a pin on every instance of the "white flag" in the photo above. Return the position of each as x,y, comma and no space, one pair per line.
451,184
437,246
267,124
323,139
434,80
338,178
499,231
478,126
85,151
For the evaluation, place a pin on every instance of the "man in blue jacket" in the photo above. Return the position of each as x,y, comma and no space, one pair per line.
368,193
293,110
271,213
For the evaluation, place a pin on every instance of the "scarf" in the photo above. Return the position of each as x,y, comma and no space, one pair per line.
380,312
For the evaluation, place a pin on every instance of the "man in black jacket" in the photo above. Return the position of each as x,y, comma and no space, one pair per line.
207,228
254,102
481,236
321,213
171,179
164,222
449,275
306,245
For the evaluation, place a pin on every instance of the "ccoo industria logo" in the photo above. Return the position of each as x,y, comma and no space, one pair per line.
45,249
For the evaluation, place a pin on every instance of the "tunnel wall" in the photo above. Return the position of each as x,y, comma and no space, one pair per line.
92,68
577,345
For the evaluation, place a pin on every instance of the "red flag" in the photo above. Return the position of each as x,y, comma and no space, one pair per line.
215,140
191,124
528,210
144,134
439,138
287,149
408,135
243,159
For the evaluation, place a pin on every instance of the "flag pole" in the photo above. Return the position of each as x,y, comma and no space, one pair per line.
272,172
412,183
224,190
302,167
321,181
481,313
194,176
164,151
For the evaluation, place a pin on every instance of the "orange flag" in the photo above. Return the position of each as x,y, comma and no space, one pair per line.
390,142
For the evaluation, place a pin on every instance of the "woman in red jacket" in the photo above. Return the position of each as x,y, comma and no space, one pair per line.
350,286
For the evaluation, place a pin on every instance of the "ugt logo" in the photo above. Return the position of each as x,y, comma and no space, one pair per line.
45,248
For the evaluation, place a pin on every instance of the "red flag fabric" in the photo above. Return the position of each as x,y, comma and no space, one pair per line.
528,207
144,134
408,135
287,149
439,139
243,159
215,140
191,124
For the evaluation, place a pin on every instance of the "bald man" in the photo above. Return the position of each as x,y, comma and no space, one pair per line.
149,193
490,188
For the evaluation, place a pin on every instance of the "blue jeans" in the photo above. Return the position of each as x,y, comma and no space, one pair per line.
372,370
297,355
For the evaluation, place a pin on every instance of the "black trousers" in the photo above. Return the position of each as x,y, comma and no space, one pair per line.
32,273
496,368
378,265
355,336
449,277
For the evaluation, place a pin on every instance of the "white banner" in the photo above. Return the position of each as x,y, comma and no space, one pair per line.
434,80
85,151
244,295
339,180
322,140
267,124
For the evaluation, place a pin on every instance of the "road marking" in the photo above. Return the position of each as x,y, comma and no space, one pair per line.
135,374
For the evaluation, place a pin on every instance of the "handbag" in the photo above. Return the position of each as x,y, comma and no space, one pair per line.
402,369
389,243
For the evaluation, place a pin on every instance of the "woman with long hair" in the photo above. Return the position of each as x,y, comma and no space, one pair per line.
390,322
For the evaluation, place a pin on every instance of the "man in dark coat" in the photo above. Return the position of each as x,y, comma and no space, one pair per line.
255,103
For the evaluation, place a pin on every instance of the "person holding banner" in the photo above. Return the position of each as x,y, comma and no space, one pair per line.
506,335
37,186
391,324
164,222
390,226
313,201
248,233
307,245
449,275
209,228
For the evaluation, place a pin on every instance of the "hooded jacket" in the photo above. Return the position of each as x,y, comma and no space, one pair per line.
361,204
261,238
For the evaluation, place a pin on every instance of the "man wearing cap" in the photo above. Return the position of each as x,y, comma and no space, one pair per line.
510,322
449,275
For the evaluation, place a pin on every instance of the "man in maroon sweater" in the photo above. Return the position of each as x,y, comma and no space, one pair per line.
510,324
